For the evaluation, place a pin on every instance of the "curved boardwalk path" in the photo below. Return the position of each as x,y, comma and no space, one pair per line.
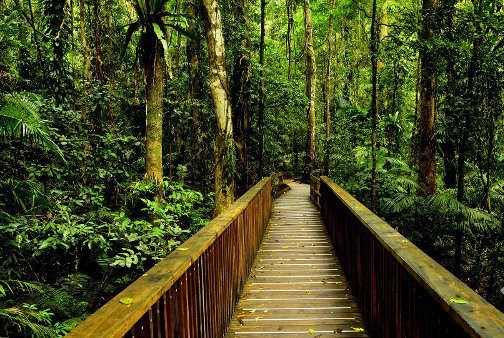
297,287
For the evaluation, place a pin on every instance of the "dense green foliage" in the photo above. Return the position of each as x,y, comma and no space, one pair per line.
77,219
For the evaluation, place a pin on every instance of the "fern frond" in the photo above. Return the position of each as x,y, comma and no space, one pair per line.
20,120
401,202
10,284
26,319
446,201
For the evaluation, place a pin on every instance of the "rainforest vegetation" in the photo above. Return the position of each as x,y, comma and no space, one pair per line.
125,125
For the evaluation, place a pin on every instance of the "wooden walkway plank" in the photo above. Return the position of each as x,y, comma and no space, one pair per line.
296,287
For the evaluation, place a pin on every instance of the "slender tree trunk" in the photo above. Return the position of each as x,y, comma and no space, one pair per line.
240,98
87,59
489,158
261,90
195,87
471,104
374,105
427,118
153,74
327,89
219,87
290,29
178,48
99,59
311,86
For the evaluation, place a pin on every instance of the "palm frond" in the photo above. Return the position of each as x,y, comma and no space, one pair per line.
401,202
446,201
20,120
132,28
25,194
183,31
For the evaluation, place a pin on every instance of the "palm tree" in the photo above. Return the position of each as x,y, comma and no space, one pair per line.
152,26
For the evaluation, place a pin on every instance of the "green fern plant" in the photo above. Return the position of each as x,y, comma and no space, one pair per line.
24,317
20,120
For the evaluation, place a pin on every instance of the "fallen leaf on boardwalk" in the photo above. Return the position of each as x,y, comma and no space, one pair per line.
265,311
358,329
311,331
253,311
459,301
183,249
126,300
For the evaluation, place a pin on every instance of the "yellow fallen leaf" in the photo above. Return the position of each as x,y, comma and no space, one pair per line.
311,331
126,300
459,301
358,329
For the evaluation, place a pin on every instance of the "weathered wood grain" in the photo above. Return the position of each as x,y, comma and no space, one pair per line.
402,291
296,287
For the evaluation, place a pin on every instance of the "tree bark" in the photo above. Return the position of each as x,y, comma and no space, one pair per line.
153,74
374,105
87,59
261,89
99,59
219,87
327,89
427,118
240,98
311,85
290,28
195,87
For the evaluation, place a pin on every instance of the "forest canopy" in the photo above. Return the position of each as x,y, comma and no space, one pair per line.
125,125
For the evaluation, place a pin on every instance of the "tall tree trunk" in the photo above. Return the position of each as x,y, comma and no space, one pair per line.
374,106
240,98
327,89
87,59
290,29
219,87
448,145
311,85
261,89
154,76
195,87
471,104
427,118
99,59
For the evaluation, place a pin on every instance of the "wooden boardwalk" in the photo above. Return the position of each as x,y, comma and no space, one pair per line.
296,287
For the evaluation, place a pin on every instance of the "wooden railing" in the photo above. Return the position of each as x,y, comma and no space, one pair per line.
402,292
315,187
193,291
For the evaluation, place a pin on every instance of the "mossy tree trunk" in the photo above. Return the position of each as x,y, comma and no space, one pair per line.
219,87
427,118
153,73
311,85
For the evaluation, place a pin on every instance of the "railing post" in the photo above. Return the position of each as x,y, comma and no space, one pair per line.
193,291
402,292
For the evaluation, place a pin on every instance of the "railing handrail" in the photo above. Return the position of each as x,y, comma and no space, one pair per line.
477,318
115,319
